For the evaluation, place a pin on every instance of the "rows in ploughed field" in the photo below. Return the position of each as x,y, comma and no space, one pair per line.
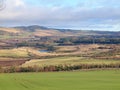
12,63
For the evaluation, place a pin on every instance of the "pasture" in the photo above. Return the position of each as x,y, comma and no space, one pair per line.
79,80
14,53
69,60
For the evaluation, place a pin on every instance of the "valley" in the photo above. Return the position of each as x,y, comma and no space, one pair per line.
38,46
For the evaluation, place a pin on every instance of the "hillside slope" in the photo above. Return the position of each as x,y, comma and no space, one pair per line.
41,31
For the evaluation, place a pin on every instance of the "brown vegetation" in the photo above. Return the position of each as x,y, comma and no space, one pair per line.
12,63
58,68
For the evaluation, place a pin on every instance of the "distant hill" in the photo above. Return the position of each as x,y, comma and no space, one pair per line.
35,30
31,28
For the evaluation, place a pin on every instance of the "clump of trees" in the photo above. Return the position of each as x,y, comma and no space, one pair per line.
89,40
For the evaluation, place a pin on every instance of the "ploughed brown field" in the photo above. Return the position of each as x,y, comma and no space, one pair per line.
12,63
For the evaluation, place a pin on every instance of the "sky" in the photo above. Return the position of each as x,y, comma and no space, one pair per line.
68,14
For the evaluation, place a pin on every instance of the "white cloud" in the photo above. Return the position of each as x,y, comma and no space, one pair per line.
17,12
19,3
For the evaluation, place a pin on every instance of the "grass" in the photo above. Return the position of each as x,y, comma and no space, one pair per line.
84,80
15,36
24,52
10,30
14,53
68,60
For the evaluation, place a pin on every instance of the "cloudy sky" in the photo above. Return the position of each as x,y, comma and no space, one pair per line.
75,14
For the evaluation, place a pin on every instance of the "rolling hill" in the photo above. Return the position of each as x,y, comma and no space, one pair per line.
41,31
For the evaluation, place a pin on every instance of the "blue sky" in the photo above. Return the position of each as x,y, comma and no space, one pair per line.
73,3
74,14
53,2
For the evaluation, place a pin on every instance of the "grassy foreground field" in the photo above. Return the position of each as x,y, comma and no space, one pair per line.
84,80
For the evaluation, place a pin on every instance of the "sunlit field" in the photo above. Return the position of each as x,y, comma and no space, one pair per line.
68,60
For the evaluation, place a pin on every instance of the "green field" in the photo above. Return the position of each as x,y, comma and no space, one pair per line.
80,80
14,53
68,60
